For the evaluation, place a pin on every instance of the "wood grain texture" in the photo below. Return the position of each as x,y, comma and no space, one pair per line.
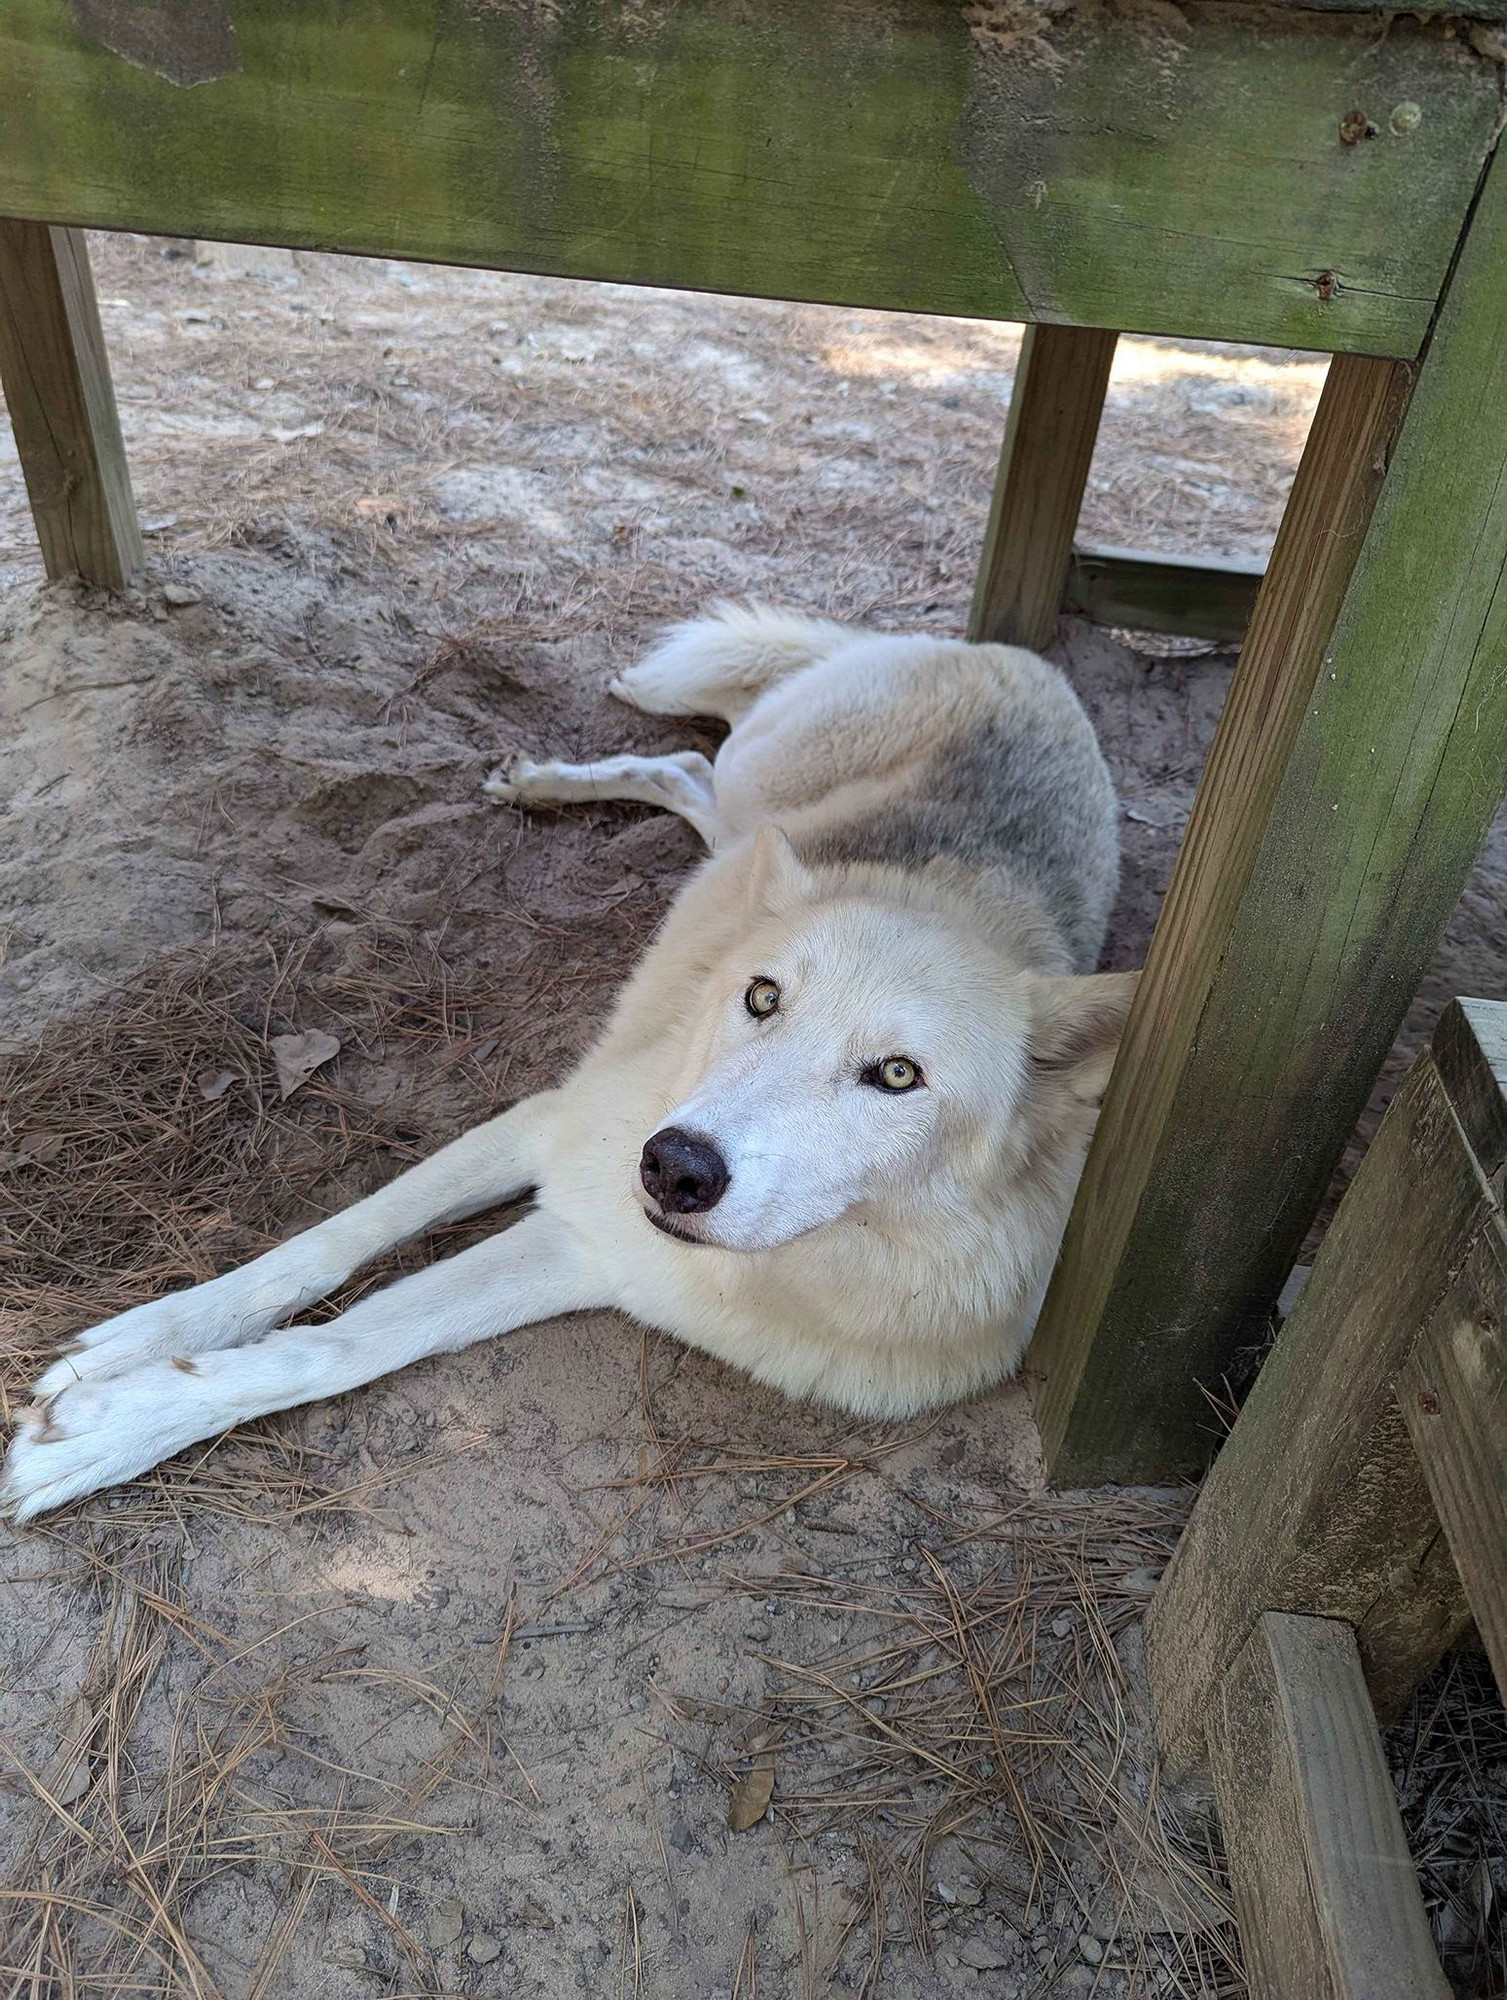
1317,1503
1453,1396
1038,490
1351,783
56,377
1097,1420
1325,1889
1163,593
1177,170
1479,10
1470,1048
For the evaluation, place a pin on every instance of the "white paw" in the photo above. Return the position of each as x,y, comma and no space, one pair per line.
216,1314
510,783
97,1434
114,1347
639,689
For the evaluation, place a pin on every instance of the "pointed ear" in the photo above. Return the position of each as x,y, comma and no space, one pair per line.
1077,1030
776,878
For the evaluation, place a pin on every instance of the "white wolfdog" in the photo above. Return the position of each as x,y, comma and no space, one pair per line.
832,1131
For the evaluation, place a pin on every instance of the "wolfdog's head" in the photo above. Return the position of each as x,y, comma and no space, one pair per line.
857,1057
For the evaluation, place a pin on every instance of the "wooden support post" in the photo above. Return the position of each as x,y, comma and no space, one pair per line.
56,378
1453,1395
1325,1888
1352,780
1043,468
1317,1503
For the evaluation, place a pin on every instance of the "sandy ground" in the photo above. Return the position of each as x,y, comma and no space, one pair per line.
452,1686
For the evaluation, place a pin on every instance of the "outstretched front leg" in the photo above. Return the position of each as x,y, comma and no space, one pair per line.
483,1167
681,783
103,1431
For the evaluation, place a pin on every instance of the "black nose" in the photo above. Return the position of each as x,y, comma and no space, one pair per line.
683,1172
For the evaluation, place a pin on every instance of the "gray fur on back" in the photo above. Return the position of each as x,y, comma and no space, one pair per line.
1029,798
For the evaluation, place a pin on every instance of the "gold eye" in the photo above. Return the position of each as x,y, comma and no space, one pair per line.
762,999
898,1073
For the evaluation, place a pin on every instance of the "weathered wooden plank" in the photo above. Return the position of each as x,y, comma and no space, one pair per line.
1168,170
1479,11
1163,593
1317,1503
1470,1047
1078,1361
1325,1889
56,377
1346,796
1453,1396
1043,468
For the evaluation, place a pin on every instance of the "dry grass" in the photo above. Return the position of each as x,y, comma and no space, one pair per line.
1449,1761
146,1145
125,1179
980,1709
980,1717
97,1904
322,401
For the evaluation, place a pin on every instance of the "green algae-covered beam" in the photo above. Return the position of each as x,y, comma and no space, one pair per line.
1295,178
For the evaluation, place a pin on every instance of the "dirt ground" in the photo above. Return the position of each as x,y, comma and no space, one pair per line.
467,1683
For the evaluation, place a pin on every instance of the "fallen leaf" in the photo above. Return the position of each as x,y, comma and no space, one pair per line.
982,1956
331,899
80,1777
214,1083
1145,1901
33,1149
70,1774
691,1710
376,504
298,1056
751,1795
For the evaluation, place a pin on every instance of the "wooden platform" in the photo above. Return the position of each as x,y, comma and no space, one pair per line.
1353,1526
1156,169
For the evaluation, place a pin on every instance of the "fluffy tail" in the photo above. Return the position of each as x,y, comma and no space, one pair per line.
722,663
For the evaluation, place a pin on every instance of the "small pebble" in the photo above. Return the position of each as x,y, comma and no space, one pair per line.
981,1956
1089,1948
483,1948
179,595
446,1925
